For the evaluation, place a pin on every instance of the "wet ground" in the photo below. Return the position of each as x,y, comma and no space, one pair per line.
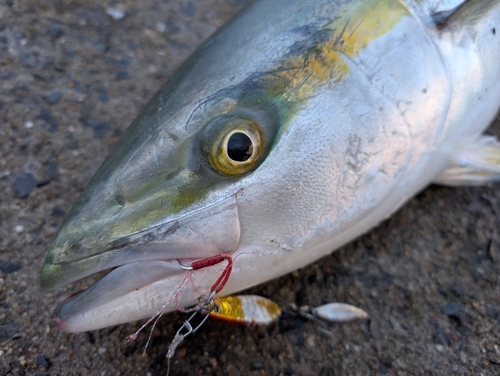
73,75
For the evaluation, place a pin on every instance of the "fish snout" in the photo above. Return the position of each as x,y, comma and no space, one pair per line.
211,230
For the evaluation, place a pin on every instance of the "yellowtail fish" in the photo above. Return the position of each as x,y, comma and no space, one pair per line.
295,128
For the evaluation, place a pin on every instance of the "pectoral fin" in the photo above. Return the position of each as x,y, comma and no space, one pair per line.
477,165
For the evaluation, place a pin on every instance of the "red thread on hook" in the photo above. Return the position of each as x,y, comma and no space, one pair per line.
210,261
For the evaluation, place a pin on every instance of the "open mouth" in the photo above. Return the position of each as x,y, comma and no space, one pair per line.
149,272
122,295
128,281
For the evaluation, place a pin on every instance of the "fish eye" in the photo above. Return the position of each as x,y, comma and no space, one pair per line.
232,145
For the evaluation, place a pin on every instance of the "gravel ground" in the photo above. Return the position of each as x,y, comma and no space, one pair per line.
74,73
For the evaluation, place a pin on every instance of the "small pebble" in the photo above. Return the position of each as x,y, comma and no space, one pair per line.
182,352
122,75
28,124
116,13
492,313
102,94
161,27
53,97
451,309
55,31
19,228
256,366
58,212
47,117
98,45
25,183
9,267
53,170
42,360
101,128
189,9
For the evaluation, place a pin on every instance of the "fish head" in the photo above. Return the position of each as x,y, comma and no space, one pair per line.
179,186
169,191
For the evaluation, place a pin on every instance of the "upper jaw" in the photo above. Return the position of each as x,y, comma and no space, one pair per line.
205,232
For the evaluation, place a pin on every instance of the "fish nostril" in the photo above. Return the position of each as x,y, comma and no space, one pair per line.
120,199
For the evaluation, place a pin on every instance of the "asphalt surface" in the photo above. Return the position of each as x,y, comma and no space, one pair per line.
73,75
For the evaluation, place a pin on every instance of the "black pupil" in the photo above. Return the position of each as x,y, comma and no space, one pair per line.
239,147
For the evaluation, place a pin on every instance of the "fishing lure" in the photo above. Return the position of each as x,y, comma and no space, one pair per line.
257,310
245,309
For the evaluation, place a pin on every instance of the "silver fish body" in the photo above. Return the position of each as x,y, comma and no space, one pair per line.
350,107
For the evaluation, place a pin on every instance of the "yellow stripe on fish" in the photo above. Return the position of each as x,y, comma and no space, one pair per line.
299,76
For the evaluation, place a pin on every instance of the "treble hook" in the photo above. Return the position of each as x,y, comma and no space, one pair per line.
205,303
205,306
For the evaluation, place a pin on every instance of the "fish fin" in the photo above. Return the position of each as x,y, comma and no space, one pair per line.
477,165
467,14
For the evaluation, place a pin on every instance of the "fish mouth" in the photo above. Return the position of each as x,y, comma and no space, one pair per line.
149,274
110,300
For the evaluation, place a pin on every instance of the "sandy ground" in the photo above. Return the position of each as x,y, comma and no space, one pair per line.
72,79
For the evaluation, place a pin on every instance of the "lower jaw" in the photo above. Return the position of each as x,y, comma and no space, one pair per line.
133,292
120,296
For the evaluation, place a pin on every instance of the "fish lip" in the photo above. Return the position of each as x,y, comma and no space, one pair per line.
211,230
116,283
53,273
120,296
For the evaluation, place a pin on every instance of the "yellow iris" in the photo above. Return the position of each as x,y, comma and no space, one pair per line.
233,145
